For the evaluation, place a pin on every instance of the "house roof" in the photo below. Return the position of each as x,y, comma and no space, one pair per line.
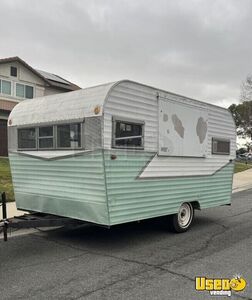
52,80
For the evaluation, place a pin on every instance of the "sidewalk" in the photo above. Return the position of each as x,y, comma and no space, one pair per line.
242,181
11,210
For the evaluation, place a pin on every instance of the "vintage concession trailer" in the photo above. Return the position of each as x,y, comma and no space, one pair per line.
121,152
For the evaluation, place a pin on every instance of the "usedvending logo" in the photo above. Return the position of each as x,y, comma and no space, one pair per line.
220,286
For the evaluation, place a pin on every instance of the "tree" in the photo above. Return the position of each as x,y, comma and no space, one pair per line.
242,112
246,89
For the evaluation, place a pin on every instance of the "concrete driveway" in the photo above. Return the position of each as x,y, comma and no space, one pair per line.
133,261
242,181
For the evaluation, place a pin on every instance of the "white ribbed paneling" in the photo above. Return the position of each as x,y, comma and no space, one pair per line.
92,133
161,166
135,101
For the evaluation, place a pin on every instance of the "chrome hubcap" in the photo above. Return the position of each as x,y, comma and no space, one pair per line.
185,215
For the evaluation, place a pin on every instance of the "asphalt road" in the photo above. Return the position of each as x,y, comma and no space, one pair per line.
133,261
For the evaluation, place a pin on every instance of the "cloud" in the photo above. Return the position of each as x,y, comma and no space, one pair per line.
198,48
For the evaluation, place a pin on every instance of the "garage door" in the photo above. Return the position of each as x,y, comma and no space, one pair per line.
3,138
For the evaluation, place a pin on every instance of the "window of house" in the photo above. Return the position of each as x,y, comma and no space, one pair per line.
220,146
27,138
20,90
128,134
6,87
69,136
24,91
45,137
28,92
13,71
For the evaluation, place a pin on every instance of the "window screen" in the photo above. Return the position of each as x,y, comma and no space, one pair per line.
45,137
27,138
220,146
128,134
68,136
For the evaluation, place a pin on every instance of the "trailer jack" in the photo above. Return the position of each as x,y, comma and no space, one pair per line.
4,222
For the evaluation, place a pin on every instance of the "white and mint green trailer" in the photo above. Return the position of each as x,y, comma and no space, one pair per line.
121,152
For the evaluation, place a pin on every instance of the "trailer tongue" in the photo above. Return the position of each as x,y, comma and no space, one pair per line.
32,220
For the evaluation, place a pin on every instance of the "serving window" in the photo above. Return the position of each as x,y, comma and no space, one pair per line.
128,134
67,136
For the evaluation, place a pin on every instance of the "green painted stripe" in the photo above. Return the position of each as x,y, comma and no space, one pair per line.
76,187
132,199
72,187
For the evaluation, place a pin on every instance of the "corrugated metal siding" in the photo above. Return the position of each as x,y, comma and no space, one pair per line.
221,125
163,166
92,133
67,186
133,199
136,101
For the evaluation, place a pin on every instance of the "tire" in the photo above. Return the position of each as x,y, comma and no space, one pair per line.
182,221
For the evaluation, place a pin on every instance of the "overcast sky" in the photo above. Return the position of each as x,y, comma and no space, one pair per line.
198,48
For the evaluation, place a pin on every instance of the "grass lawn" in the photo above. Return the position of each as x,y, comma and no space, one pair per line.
239,167
5,179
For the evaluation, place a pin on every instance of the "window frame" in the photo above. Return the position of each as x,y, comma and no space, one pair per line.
24,85
18,83
216,139
1,89
55,141
116,119
46,137
16,70
31,86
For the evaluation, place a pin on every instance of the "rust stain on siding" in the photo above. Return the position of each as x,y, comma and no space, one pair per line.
178,126
165,117
201,129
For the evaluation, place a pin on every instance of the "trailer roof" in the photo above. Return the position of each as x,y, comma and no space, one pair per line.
61,107
70,106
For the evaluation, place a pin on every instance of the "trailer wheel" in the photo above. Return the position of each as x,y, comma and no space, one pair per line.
183,219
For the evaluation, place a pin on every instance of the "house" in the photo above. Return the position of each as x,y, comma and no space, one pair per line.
20,81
